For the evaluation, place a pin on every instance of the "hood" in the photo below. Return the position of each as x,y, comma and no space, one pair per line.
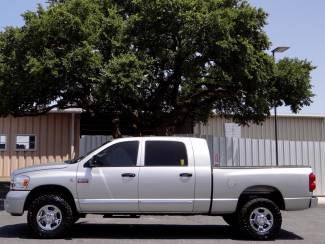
39,168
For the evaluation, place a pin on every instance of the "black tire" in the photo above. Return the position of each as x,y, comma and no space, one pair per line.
231,219
263,206
67,218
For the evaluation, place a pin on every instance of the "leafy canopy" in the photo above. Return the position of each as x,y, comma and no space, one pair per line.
151,63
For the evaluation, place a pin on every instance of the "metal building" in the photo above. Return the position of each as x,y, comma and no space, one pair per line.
290,127
26,141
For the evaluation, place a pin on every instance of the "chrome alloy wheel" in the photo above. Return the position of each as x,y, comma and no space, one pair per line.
49,217
261,220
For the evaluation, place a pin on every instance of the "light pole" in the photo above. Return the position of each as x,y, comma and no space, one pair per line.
277,50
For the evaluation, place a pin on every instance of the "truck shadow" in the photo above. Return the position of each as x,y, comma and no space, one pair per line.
141,231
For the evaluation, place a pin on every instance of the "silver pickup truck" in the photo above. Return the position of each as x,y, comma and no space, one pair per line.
157,175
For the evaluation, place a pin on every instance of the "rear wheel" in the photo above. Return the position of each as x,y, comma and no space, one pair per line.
50,216
260,219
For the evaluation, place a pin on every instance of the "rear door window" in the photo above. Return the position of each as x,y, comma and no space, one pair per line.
165,153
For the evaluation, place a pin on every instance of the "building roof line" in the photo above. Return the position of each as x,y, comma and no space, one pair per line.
67,111
321,116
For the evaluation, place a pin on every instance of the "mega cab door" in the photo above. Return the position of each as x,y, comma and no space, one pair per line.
111,183
167,177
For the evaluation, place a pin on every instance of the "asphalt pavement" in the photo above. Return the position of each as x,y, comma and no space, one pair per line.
298,227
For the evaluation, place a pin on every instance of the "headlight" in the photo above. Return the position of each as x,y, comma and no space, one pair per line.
19,182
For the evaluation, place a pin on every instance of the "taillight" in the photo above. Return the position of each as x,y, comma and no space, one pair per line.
312,183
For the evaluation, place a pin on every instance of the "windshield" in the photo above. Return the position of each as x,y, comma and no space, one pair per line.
78,159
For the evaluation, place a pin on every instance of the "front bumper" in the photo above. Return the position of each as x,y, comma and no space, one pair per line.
313,202
14,202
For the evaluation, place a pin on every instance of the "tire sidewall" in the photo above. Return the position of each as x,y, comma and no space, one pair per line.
244,219
58,201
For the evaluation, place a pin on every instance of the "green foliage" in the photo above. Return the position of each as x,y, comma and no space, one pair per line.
153,63
291,83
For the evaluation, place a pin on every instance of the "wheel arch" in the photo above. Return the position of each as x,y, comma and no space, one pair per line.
261,191
51,189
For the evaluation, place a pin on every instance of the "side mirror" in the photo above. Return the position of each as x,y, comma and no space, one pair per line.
93,162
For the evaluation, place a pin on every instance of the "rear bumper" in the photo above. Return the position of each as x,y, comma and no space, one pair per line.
15,201
300,203
313,202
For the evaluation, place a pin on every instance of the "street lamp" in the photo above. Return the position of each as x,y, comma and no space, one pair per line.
277,50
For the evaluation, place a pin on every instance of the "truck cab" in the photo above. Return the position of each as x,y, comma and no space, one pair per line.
144,175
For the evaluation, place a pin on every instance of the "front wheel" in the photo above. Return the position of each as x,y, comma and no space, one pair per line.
260,219
50,216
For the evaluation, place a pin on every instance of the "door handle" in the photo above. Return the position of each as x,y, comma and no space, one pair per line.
185,174
128,175
82,180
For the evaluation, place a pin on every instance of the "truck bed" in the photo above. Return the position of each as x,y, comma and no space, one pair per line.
231,182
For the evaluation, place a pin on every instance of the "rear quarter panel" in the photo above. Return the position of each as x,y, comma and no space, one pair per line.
230,183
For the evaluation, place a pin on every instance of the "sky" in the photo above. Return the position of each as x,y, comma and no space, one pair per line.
298,24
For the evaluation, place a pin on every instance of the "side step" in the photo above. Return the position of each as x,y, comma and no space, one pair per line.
133,216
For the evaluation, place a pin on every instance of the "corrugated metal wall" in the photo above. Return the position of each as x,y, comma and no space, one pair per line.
289,128
88,143
53,140
227,152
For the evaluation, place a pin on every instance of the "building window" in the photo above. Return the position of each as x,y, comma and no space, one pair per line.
3,141
26,143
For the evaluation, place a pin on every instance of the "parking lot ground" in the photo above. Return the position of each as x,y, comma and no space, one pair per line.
298,227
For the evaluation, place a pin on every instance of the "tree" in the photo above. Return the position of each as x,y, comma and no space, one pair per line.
291,86
152,64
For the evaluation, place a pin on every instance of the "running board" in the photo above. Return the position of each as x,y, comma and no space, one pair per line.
134,216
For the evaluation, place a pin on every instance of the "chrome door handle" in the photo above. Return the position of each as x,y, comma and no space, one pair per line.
82,180
185,174
128,175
